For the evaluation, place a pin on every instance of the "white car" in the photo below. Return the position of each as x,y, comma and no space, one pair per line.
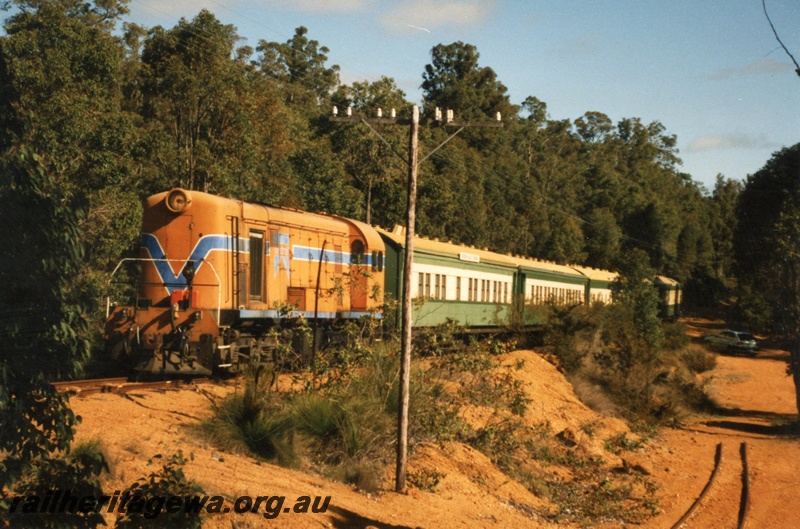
733,342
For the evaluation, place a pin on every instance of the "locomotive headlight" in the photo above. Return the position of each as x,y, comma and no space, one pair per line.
178,200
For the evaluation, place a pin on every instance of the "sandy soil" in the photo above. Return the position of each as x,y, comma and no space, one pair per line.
756,398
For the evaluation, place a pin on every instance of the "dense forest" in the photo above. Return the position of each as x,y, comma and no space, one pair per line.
116,112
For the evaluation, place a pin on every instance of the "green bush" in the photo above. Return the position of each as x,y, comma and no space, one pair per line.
76,472
167,482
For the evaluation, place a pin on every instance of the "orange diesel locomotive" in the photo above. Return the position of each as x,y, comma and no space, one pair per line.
217,275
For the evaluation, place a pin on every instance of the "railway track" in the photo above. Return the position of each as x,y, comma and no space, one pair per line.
119,385
722,481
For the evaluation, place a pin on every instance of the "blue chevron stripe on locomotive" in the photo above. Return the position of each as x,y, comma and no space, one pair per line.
204,246
224,243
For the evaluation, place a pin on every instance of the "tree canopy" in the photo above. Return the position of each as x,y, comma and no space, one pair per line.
127,114
767,252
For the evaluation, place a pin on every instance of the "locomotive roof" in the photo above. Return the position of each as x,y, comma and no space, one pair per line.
256,213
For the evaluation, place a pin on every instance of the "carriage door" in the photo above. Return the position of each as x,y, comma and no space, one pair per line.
256,265
358,277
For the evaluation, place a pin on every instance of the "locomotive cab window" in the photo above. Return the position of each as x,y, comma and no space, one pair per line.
357,252
256,264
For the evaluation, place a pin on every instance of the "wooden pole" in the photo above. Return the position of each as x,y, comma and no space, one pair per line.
413,163
405,350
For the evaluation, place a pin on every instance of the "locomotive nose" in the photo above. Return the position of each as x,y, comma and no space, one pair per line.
178,200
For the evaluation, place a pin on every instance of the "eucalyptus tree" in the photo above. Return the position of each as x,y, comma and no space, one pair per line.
60,86
454,80
211,123
724,220
766,247
298,67
374,156
60,82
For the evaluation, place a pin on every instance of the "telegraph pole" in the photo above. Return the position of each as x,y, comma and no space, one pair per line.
405,348
411,214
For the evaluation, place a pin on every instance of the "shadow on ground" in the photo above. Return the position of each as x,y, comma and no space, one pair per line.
350,520
756,422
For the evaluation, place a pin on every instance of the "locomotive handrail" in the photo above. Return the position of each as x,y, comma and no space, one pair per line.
151,260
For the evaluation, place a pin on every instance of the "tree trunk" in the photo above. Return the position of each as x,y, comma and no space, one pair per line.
795,367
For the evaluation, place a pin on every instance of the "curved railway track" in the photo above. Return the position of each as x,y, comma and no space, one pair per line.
694,516
118,385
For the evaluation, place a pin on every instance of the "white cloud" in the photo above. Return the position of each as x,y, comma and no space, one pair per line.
729,141
174,9
760,67
190,8
317,6
429,15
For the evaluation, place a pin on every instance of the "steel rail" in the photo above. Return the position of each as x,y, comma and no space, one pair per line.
744,503
717,464
119,385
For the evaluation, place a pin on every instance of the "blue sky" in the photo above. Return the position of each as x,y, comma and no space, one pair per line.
711,71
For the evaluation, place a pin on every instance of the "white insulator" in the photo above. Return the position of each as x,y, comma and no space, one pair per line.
335,110
498,117
394,113
349,111
380,112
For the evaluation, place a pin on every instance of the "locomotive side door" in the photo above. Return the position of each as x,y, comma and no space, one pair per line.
358,276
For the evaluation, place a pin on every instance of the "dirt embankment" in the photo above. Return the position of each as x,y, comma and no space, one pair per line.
755,395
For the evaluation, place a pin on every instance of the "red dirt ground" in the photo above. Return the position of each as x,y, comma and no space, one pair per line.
756,397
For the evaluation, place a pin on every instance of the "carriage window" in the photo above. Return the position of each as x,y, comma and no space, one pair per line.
256,263
458,288
424,285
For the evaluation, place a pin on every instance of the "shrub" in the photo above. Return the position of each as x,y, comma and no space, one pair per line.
698,360
675,337
166,482
76,473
